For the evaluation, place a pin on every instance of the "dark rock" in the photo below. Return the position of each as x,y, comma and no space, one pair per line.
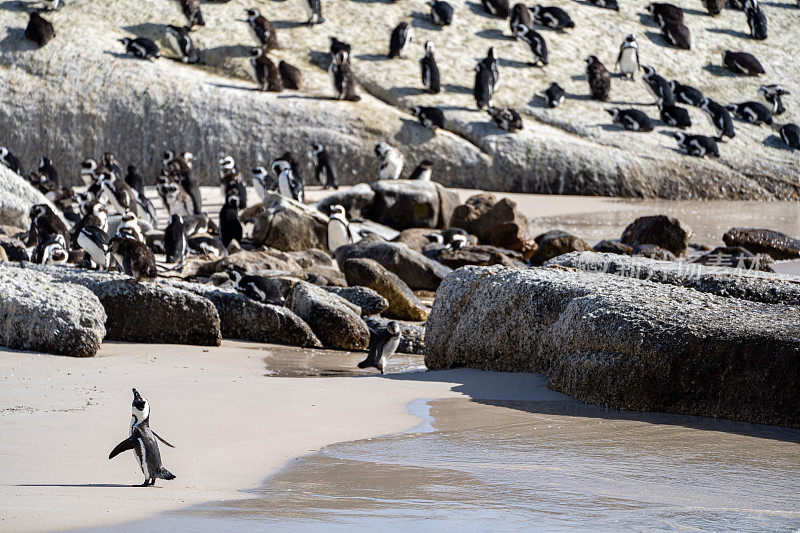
613,247
337,325
14,248
736,257
466,216
42,314
252,261
651,251
357,200
412,339
480,255
554,243
370,302
403,204
402,303
288,225
667,232
622,342
774,243
416,270
497,223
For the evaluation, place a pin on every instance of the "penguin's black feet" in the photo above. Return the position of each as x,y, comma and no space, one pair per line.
146,483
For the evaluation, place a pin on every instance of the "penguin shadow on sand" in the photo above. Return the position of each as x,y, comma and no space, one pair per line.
657,38
456,89
320,59
727,31
15,41
478,10
495,34
774,141
375,57
374,1
423,20
779,6
646,20
17,5
513,63
288,24
696,12
400,92
79,485
719,70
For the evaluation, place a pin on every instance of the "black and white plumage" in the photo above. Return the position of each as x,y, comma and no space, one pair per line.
44,223
230,226
264,72
39,30
675,116
429,70
536,42
696,145
338,229
551,17
430,117
390,161
338,46
47,169
752,112
483,88
686,94
230,181
129,227
342,77
261,181
496,8
141,47
54,5
259,288
177,200
181,42
382,346
772,93
658,86
52,250
207,246
631,119
441,12
134,180
175,245
663,13
719,118
290,182
491,61
324,170
599,79
606,4
95,214
742,63
134,257
142,440
192,12
790,134
756,20
506,118
119,194
520,18
201,223
94,242
402,34
628,58
678,35
737,4
10,160
554,95
452,238
262,29
291,76
423,171
314,11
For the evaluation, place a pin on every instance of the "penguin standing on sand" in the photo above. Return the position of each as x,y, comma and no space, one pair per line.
338,229
771,93
658,87
390,161
554,95
430,71
719,118
441,12
338,46
263,31
599,79
423,172
135,257
175,240
752,112
142,441
141,47
756,20
482,90
342,77
230,227
264,72
39,30
181,43
192,12
314,9
430,117
10,160
401,36
696,145
506,118
324,170
382,346
628,58
290,180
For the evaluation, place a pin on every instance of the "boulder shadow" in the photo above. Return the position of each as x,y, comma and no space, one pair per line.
288,24
148,29
719,70
412,132
408,91
15,41
423,20
495,34
456,89
17,5
513,63
726,31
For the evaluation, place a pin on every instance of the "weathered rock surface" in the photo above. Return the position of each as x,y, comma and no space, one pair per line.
621,342
774,243
667,232
412,339
337,325
401,301
403,204
743,284
17,196
357,200
497,223
14,249
416,270
652,251
290,226
479,255
415,238
243,318
42,314
3,256
370,302
736,257
554,243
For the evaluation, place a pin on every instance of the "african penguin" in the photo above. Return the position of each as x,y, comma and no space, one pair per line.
141,47
756,20
39,30
48,170
631,119
605,4
142,440
505,118
696,145
790,134
491,61
230,182
119,194
129,227
175,240
338,229
264,72
134,180
599,79
390,161
10,160
324,170
177,200
482,90
719,118
259,288
286,167
628,58
207,246
686,94
261,181
678,35
496,8
772,94
658,86
338,46
51,251
134,257
430,71
663,13
198,224
54,5
291,76
536,43
423,171
382,346
191,10
401,36
94,242
551,17
742,63
430,117
674,116
752,112
714,7
314,10
263,31
342,77
181,43
44,223
441,12
230,227
520,18
452,238
554,95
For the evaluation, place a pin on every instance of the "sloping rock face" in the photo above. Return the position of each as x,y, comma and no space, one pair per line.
17,196
356,200
621,342
739,283
290,226
774,243
401,302
336,324
42,314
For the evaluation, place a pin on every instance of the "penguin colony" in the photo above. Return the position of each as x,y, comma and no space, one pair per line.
524,21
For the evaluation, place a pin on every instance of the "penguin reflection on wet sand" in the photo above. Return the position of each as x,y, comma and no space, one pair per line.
382,346
142,440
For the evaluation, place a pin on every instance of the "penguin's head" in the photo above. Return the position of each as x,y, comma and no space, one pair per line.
37,211
535,10
256,51
167,158
3,152
631,38
236,273
317,148
140,408
435,237
176,219
232,201
337,210
43,162
732,107
704,104
651,8
648,70
490,54
259,174
614,111
280,165
426,164
227,163
381,149
188,158
125,41
416,111
252,14
88,167
591,60
109,159
678,136
393,328
725,55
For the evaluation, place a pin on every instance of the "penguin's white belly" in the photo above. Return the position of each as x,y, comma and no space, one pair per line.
94,251
425,175
174,44
338,234
627,63
284,187
143,459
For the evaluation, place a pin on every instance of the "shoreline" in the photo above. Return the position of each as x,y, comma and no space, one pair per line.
233,426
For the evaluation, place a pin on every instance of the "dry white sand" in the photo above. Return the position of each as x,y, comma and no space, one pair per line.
231,424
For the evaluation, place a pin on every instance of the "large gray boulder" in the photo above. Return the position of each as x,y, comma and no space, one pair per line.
416,270
42,314
403,204
356,200
289,226
334,322
402,303
622,342
774,243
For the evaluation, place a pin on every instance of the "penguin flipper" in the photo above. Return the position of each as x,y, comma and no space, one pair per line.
127,444
162,440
